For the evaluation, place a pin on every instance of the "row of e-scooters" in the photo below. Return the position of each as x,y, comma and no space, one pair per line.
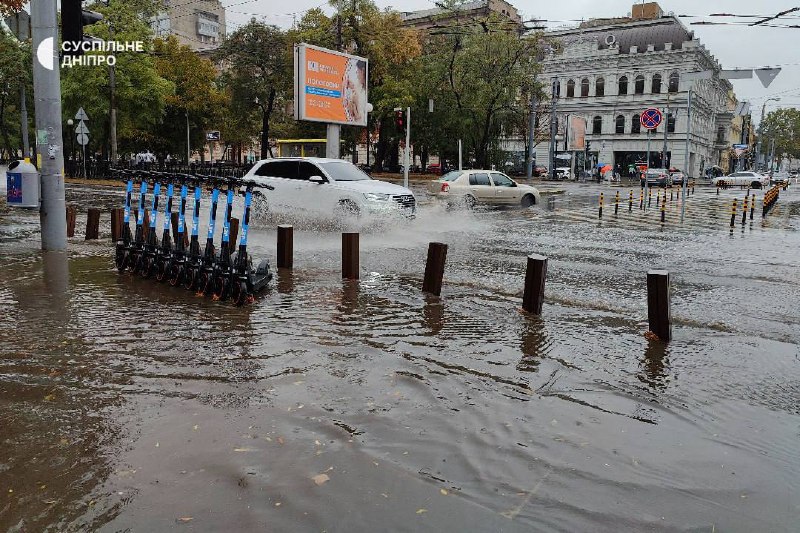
210,272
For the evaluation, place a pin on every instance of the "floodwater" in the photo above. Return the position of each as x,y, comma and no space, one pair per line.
327,405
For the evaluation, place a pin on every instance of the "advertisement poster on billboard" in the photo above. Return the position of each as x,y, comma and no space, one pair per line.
330,86
577,133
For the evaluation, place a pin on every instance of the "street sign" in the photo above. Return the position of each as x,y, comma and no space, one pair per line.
651,118
81,115
81,128
212,136
20,25
83,139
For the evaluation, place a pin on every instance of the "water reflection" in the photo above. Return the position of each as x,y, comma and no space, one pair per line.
433,314
655,365
534,343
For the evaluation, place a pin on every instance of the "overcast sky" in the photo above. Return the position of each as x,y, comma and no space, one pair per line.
733,45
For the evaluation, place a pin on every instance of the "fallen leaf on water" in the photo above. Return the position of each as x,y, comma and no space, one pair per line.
280,440
384,495
443,492
195,427
244,449
420,511
185,519
157,445
319,479
49,397
277,504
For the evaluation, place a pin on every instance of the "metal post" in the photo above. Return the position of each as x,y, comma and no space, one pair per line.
647,166
535,274
553,131
531,130
686,155
460,166
407,151
23,120
434,268
332,141
658,304
112,104
47,97
188,143
666,132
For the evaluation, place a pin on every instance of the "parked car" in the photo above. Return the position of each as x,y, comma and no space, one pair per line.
332,186
471,187
779,178
540,171
677,176
434,168
750,179
657,177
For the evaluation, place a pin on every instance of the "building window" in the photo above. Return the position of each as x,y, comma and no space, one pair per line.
557,88
638,87
720,134
570,88
585,87
636,124
623,85
656,83
600,87
597,125
670,123
673,82
620,124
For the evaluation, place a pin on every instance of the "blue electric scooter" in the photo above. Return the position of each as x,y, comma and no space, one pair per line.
246,283
164,256
177,263
206,271
123,246
150,251
135,258
194,261
223,268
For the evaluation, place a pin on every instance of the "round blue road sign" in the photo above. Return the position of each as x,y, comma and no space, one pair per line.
650,118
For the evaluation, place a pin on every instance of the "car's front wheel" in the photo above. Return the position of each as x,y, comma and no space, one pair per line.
528,200
755,185
348,208
469,201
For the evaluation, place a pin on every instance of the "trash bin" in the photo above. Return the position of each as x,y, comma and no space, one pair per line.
22,180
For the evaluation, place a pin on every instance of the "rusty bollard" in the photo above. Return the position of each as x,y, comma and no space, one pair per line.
71,213
350,267
533,295
434,268
285,247
93,223
658,304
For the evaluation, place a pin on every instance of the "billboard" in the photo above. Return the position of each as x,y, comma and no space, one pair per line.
329,86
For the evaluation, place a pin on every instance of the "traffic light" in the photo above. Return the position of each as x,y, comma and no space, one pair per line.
73,19
399,120
588,146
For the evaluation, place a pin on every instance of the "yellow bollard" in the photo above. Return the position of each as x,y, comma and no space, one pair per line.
600,213
733,213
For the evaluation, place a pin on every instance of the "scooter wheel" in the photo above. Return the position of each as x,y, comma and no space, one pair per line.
147,267
190,278
175,275
220,290
162,269
239,293
204,287
119,259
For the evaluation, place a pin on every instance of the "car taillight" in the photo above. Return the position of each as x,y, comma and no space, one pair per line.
445,187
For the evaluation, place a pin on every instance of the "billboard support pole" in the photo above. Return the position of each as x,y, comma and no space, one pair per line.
332,144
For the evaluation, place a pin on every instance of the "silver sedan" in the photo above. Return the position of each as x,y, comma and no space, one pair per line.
471,187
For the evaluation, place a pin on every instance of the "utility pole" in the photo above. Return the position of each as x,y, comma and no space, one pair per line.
666,131
47,96
686,155
112,115
553,130
23,119
531,130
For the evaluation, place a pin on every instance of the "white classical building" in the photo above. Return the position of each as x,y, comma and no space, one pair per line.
609,71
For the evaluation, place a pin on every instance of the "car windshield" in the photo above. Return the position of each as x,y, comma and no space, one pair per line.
451,176
742,174
344,171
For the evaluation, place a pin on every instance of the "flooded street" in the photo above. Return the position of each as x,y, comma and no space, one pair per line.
338,406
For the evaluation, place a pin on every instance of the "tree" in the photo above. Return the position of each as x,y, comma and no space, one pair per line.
140,92
196,97
9,7
782,126
259,74
15,73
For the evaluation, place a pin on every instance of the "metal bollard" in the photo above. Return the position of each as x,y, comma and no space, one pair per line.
641,199
600,212
752,207
117,223
733,213
744,211
434,268
630,201
285,247
92,223
71,214
616,204
664,208
533,296
649,197
350,267
658,304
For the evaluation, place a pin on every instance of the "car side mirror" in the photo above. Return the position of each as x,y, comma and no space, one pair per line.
316,179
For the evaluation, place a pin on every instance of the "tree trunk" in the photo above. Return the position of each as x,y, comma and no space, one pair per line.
266,151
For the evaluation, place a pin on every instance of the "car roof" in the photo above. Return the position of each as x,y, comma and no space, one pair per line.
309,159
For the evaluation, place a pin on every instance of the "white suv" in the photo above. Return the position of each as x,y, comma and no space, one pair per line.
329,185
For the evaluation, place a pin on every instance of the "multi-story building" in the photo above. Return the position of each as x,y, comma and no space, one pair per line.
199,24
609,71
468,12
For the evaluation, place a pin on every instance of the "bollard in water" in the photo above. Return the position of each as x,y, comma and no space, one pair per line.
752,207
717,190
630,201
533,295
616,204
600,213
350,267
641,199
434,268
285,247
233,232
117,223
744,210
649,197
93,223
733,213
663,209
71,214
658,304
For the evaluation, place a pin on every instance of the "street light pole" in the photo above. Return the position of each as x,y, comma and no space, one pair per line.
761,128
553,130
70,122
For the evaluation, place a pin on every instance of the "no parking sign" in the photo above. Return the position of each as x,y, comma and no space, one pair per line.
650,118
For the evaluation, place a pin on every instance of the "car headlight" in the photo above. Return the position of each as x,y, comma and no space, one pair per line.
377,197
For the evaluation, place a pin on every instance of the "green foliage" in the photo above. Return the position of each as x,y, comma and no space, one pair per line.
15,72
140,91
782,125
